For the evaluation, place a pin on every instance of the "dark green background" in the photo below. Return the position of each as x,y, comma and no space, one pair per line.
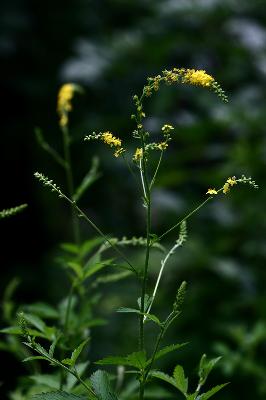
110,47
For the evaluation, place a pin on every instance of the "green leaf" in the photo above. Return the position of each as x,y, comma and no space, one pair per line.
78,350
101,385
136,359
33,358
70,248
90,245
147,302
88,180
167,349
163,377
43,310
92,269
16,330
49,380
127,310
205,367
36,321
180,379
57,396
76,267
210,393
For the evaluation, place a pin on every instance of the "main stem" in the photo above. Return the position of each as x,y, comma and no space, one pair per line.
147,196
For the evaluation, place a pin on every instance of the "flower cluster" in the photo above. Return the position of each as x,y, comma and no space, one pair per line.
138,154
231,181
184,76
109,139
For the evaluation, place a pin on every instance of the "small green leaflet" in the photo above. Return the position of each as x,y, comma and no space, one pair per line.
167,349
210,393
180,379
164,377
101,386
57,396
75,354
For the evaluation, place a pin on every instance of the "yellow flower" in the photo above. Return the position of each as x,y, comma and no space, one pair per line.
198,77
119,151
110,139
167,128
64,105
211,191
162,146
226,188
232,181
138,154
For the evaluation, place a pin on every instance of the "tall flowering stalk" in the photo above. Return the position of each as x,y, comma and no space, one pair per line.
143,366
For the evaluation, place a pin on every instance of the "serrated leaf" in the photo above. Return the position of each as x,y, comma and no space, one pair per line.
163,377
180,379
36,321
57,396
210,393
167,349
205,367
136,359
101,385
78,350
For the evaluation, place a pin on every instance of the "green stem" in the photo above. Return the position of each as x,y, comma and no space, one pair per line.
70,182
156,171
146,190
156,347
185,218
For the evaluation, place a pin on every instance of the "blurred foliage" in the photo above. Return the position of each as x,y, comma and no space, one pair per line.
109,47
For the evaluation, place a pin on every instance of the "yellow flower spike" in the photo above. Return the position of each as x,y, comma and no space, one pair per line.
138,154
211,191
198,77
64,105
110,139
232,181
